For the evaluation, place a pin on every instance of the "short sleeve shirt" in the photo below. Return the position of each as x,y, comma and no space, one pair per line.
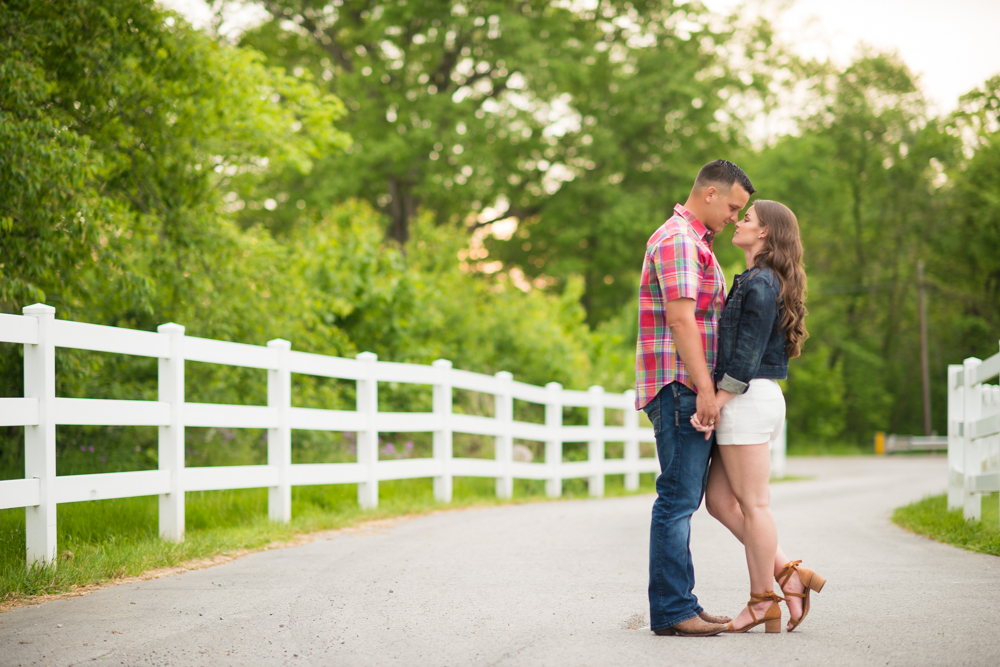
679,264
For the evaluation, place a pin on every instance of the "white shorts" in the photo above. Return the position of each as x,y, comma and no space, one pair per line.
754,417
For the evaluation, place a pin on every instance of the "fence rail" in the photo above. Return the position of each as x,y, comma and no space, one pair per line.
40,411
973,434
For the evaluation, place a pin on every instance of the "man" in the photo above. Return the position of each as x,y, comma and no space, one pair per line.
681,296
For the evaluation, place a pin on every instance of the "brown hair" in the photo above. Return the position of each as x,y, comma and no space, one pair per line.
782,252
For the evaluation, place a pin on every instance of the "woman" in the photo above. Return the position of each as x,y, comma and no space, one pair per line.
763,324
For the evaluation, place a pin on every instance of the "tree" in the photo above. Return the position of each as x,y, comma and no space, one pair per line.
585,124
122,132
966,268
860,179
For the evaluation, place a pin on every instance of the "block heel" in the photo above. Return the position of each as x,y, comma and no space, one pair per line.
810,582
772,617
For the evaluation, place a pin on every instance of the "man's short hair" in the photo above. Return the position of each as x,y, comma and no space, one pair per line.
724,173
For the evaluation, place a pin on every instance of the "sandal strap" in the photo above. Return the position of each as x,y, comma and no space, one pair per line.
762,597
766,595
786,572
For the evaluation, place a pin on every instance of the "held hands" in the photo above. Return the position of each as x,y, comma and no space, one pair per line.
706,421
706,414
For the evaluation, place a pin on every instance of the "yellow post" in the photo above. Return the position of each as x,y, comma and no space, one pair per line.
880,443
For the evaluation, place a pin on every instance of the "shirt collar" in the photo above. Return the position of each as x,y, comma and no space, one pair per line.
699,228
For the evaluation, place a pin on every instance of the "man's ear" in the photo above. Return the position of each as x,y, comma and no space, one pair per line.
710,193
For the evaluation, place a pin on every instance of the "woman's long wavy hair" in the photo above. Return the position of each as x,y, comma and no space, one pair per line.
782,252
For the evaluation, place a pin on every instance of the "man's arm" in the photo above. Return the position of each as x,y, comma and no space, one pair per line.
687,338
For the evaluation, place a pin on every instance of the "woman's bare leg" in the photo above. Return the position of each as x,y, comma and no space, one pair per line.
721,503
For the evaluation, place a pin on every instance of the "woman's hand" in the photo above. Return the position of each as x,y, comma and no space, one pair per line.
704,428
722,397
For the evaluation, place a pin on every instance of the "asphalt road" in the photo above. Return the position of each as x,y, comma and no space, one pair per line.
559,583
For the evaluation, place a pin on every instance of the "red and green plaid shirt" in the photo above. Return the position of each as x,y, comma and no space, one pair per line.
679,264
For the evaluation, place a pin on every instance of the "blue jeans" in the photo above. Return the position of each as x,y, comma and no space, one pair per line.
684,455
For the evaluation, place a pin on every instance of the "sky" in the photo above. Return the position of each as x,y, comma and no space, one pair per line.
953,45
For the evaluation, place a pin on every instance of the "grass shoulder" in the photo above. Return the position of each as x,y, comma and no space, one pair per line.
101,542
792,478
931,518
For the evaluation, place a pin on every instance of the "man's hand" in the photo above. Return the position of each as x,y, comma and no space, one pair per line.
707,413
721,398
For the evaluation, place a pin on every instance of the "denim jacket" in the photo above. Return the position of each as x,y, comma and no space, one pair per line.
751,341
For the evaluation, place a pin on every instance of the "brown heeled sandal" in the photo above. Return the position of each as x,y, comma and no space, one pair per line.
810,582
772,617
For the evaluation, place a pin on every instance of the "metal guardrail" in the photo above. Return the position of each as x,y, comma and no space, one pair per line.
891,444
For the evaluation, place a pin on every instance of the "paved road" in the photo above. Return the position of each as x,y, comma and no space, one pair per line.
549,584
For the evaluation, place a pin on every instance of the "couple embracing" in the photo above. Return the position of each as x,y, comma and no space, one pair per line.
706,371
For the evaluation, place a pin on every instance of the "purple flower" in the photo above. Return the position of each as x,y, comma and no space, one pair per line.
409,447
104,459
90,449
83,448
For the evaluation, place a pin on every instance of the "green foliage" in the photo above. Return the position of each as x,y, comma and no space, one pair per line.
121,129
150,173
585,123
174,133
859,180
967,269
931,517
421,306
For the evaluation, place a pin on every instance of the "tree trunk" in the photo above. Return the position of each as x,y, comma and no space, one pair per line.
402,207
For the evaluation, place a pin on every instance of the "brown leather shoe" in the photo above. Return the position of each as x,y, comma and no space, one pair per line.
693,627
711,618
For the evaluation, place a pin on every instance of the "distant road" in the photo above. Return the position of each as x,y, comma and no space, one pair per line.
561,583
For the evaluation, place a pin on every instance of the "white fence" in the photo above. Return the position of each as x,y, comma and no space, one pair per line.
973,434
40,411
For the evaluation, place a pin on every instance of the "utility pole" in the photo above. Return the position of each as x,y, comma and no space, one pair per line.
924,364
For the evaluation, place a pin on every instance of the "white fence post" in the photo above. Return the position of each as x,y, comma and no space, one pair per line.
279,439
40,440
972,503
630,421
170,455
779,452
956,441
503,412
595,448
367,405
553,445
442,437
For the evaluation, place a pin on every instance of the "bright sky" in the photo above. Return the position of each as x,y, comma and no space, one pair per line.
952,45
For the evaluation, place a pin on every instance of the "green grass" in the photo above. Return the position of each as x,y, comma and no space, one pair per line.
930,517
792,478
113,539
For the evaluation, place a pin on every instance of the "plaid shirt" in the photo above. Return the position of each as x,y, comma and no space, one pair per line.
679,264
